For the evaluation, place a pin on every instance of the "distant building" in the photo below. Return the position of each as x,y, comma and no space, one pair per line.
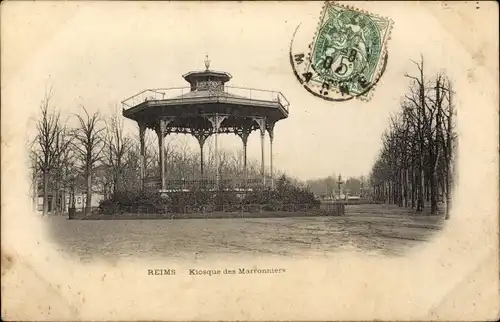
80,200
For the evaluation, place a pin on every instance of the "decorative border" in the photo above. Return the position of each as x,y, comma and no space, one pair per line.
380,67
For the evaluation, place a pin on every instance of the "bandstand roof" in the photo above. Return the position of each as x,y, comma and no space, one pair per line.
188,107
190,110
209,74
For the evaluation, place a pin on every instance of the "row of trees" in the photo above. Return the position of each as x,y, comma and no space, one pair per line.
69,158
415,167
94,153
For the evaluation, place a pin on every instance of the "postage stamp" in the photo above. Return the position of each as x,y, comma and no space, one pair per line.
347,54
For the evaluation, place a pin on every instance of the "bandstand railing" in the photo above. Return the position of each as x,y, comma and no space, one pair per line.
207,183
179,93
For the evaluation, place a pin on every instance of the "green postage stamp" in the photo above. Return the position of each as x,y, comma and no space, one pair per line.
347,55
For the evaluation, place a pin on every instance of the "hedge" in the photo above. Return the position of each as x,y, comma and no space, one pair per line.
286,197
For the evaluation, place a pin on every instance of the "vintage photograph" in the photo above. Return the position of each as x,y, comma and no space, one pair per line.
238,132
93,165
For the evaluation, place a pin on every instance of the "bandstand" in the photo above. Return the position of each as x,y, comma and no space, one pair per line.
207,107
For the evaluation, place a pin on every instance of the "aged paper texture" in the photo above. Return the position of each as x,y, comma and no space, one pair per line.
259,187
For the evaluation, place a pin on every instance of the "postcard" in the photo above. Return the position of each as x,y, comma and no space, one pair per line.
260,161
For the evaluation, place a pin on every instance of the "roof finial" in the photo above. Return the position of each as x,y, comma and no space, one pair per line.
207,62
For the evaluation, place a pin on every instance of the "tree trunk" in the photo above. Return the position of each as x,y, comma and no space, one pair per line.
406,187
35,191
421,136
428,177
45,193
431,178
395,187
63,199
448,196
88,201
55,199
387,193
72,197
434,147
401,188
449,155
413,188
118,181
433,194
420,200
391,193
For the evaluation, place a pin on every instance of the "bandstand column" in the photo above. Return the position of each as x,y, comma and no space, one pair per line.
201,141
262,125
161,132
216,122
262,166
201,136
243,133
270,130
142,158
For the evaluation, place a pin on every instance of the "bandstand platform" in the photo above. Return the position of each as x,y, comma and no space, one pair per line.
208,107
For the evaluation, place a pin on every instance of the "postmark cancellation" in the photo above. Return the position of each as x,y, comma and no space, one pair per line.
347,54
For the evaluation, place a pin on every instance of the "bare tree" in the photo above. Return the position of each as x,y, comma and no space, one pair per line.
117,145
88,145
418,97
69,174
33,157
59,175
448,141
50,144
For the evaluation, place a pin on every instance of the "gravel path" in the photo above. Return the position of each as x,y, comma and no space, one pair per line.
377,229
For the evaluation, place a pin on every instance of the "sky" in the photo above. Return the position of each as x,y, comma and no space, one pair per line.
98,54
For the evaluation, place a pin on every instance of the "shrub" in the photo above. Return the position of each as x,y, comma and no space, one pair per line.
109,206
286,197
132,201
